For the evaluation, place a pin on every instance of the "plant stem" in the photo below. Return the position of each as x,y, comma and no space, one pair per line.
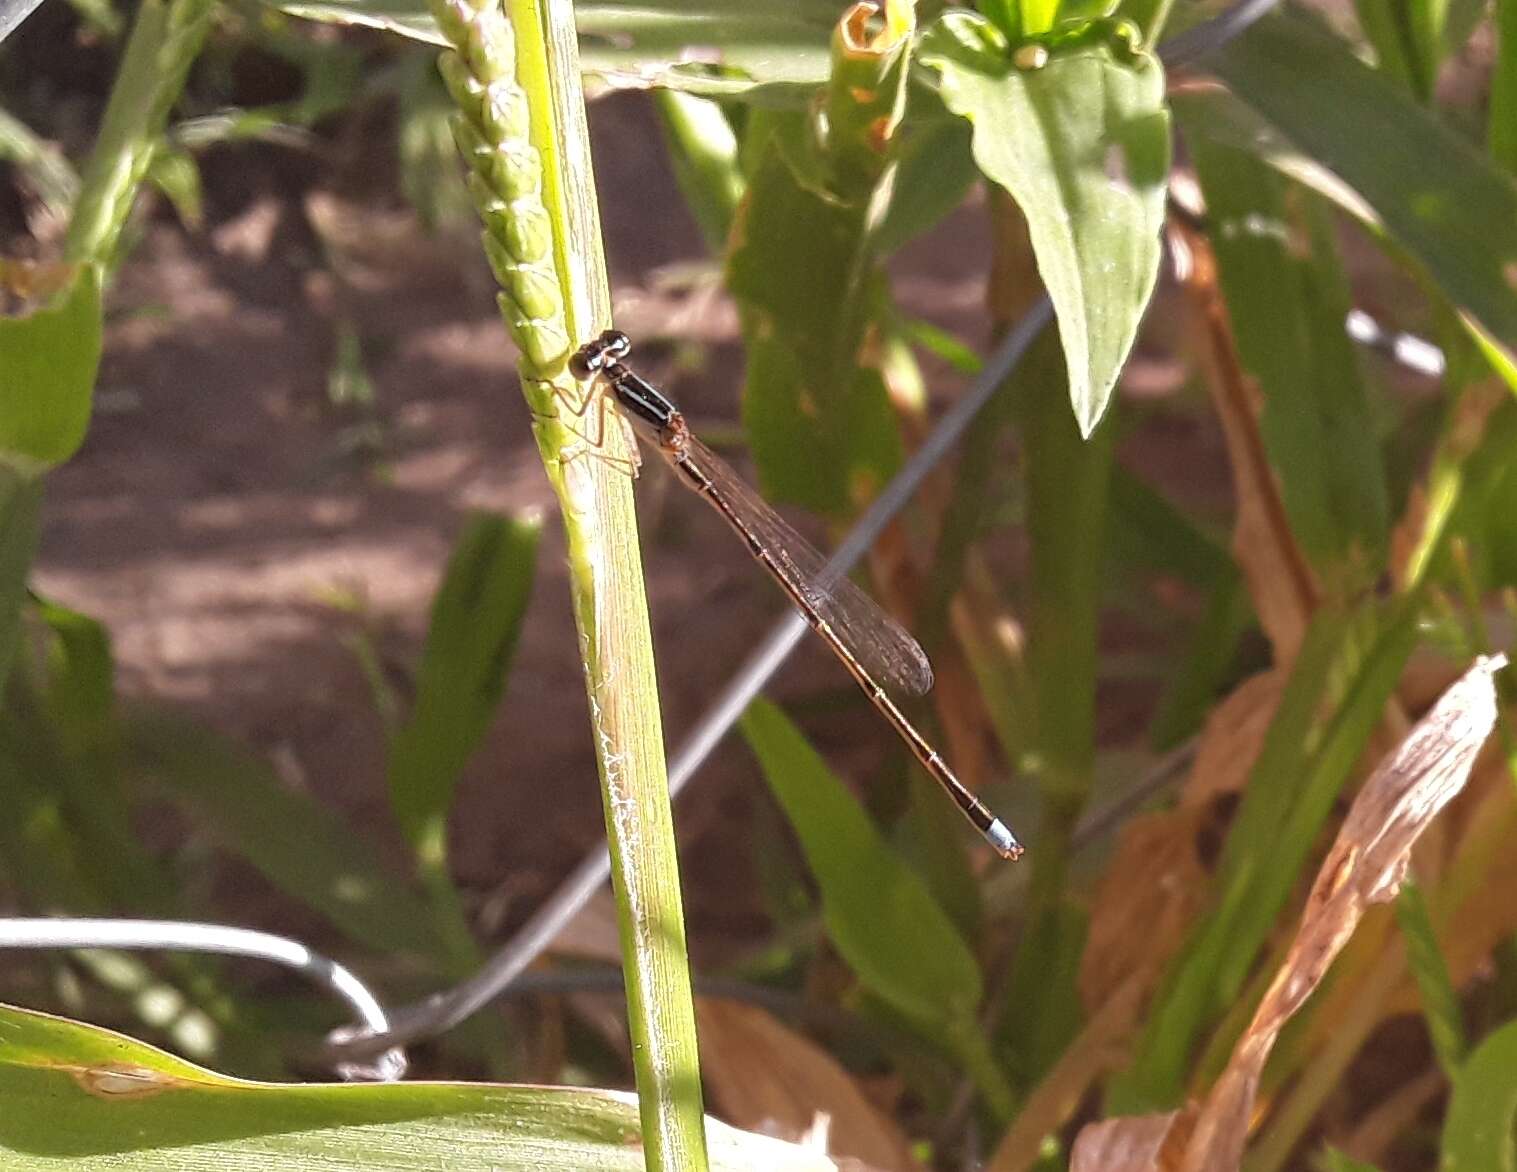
515,76
165,40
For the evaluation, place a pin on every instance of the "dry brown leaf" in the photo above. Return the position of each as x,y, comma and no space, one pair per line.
763,1076
1366,865
1155,884
1152,889
1279,578
1233,736
1133,1143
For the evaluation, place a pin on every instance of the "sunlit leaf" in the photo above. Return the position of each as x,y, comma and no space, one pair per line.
878,912
1082,144
48,361
94,1100
1478,1129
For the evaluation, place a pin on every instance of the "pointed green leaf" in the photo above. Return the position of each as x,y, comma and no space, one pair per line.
1082,144
48,361
476,618
92,1100
879,913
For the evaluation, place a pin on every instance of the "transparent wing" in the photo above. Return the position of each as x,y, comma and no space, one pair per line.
877,641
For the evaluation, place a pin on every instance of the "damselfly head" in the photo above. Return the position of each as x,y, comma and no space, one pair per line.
593,357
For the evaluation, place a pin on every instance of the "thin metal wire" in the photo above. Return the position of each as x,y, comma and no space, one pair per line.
180,936
444,1010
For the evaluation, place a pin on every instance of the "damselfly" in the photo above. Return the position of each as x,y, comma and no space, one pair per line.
868,642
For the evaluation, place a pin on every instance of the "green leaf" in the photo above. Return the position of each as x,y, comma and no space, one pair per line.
821,429
48,361
1043,1008
1082,144
1440,1000
93,1100
933,175
476,618
1478,1129
1287,300
300,845
878,912
1332,702
1450,209
20,504
1502,119
177,175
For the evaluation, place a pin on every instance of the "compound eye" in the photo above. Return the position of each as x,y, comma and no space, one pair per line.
617,344
586,361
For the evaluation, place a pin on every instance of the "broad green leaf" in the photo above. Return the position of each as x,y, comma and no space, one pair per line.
1082,144
302,847
93,1101
1449,208
1479,1126
878,912
476,618
20,502
772,49
48,361
1287,304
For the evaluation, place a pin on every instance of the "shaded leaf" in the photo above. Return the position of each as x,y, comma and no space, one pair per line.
763,1076
1436,197
48,361
878,912
1286,303
20,505
302,847
96,1100
1082,145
